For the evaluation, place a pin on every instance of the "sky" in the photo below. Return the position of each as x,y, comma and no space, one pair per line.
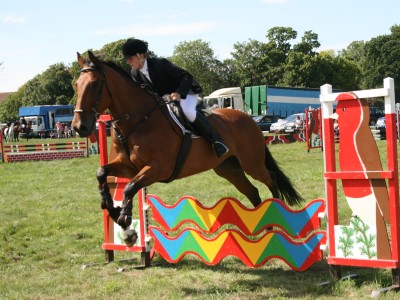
35,34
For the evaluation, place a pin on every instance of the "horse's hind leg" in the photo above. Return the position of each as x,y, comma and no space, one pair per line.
232,171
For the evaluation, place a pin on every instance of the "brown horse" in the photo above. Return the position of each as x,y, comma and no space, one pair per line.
149,141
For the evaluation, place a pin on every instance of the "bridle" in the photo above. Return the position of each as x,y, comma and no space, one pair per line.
100,91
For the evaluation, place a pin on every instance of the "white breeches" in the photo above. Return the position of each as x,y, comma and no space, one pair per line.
189,106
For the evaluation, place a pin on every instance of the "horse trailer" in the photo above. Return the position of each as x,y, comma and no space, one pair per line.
43,118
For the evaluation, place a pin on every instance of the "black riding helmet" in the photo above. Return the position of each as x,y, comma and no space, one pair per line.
133,47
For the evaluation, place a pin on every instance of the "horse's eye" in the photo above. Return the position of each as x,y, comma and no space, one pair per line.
94,84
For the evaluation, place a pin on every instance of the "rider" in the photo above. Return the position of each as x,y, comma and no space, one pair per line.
165,78
23,123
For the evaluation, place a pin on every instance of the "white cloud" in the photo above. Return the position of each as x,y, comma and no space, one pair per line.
158,30
13,20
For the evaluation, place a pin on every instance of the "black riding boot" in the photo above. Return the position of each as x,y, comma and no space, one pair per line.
204,127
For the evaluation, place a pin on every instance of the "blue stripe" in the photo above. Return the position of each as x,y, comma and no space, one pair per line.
286,109
171,246
300,252
297,220
169,214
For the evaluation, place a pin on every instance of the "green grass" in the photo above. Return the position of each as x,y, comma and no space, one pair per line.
51,225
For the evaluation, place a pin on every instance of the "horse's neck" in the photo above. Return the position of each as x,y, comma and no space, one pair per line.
131,100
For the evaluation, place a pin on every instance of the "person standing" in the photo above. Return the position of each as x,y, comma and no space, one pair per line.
59,130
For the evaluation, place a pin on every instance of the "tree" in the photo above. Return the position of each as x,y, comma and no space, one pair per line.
53,86
228,74
275,62
10,106
382,59
355,51
198,58
309,44
279,38
347,74
250,62
304,70
298,70
113,52
56,81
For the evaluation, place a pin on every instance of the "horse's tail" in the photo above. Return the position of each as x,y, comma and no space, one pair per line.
285,188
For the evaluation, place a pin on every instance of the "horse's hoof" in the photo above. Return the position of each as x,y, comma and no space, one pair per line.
130,237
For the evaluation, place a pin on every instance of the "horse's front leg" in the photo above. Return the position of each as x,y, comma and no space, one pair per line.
122,215
143,179
106,198
125,218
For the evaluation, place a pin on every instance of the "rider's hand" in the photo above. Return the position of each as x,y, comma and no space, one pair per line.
175,96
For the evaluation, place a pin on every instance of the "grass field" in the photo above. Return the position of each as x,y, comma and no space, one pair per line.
51,224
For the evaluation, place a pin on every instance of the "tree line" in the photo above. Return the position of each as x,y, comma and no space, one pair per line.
276,61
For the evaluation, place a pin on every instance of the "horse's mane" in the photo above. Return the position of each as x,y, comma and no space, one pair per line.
127,76
118,69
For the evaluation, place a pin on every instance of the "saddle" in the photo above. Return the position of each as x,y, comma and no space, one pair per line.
176,113
189,132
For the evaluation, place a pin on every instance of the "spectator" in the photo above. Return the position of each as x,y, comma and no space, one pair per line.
67,133
59,130
298,123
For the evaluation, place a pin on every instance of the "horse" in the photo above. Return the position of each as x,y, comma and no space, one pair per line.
8,132
146,142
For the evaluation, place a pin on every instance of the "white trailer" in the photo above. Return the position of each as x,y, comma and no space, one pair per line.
225,98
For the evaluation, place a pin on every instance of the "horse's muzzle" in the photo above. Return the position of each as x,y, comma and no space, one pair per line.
83,127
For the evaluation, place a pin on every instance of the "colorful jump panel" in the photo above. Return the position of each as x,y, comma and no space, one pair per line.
254,253
271,212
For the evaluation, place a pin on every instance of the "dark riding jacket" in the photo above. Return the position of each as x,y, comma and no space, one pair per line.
168,78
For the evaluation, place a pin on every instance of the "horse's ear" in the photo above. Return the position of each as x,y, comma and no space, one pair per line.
81,61
93,58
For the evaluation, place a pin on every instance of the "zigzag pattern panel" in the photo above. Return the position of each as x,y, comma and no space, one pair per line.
271,212
254,253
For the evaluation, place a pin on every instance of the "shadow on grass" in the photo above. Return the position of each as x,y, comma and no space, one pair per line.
273,279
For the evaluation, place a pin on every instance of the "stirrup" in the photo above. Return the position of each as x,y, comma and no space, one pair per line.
219,148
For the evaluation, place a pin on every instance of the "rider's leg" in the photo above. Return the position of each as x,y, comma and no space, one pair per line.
201,123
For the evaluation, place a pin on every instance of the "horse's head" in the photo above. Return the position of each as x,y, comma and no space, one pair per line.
93,96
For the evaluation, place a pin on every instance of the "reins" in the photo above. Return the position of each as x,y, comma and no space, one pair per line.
145,117
159,102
